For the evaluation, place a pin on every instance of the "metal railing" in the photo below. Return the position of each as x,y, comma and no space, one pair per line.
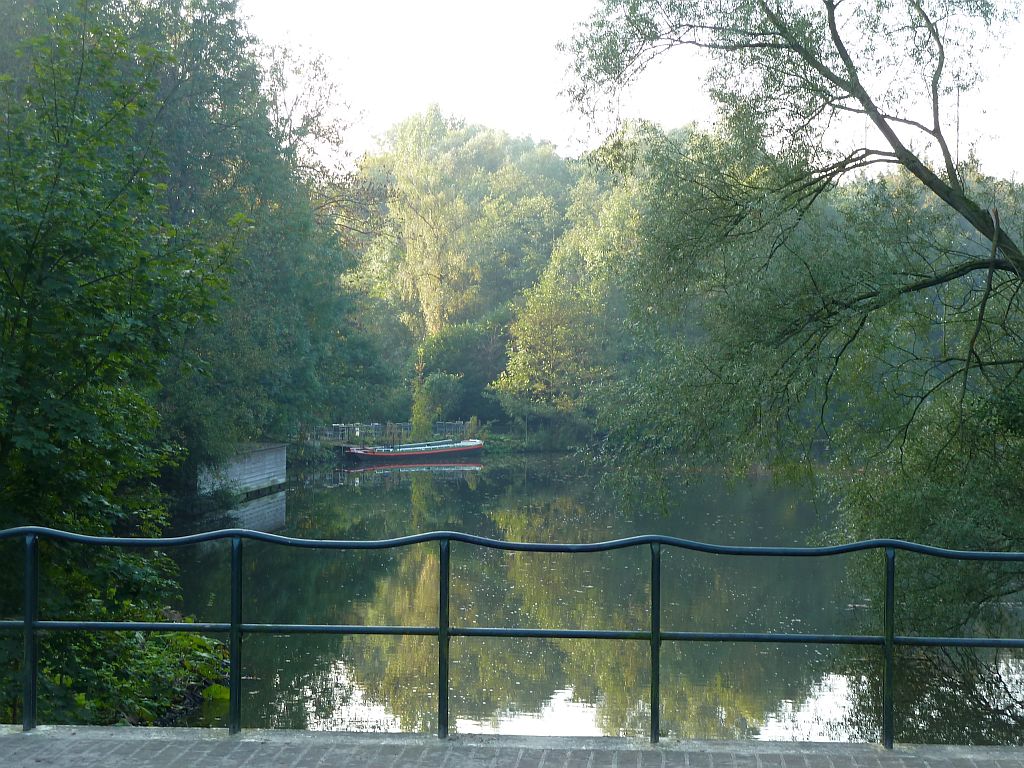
31,625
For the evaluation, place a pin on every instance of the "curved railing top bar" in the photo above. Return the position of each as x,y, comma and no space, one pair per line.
514,546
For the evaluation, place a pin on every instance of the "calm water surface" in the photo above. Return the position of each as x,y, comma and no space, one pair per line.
539,686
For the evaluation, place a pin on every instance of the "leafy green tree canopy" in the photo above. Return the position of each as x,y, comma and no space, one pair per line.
795,71
97,284
472,215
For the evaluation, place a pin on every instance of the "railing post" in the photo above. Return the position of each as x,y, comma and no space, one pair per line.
888,632
444,572
655,641
235,640
30,672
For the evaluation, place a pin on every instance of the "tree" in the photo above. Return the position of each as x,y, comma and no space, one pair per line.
476,353
170,288
735,349
97,286
793,71
569,336
471,217
915,246
246,131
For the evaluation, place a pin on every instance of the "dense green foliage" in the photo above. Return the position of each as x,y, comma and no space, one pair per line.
171,254
241,135
97,283
788,295
471,216
468,223
569,338
97,286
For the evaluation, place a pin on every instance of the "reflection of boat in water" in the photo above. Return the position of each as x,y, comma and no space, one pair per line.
379,473
436,452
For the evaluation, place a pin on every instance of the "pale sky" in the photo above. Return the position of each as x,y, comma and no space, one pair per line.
488,63
495,64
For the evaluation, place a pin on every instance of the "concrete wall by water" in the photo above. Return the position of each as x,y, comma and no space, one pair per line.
255,466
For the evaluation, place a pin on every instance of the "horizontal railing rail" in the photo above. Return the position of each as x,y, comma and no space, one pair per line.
31,625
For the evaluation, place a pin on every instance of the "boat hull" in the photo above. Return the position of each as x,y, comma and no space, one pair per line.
450,465
428,453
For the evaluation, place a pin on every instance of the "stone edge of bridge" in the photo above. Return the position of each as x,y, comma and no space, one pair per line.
604,743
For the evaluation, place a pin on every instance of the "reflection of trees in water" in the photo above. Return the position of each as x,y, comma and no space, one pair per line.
282,584
965,696
945,695
708,690
400,672
960,488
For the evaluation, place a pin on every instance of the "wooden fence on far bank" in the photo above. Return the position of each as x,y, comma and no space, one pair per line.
387,433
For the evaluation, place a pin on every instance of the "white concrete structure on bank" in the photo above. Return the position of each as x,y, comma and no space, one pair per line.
254,467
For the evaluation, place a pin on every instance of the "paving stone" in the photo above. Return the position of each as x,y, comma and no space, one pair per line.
535,758
508,757
568,758
55,747
389,755
430,756
740,760
605,758
313,757
484,757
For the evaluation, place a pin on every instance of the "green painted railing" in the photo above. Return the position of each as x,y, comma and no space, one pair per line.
31,625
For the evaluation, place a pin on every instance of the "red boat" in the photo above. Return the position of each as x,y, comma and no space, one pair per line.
418,452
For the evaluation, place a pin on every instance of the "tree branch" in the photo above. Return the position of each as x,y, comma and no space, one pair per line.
953,177
971,351
953,197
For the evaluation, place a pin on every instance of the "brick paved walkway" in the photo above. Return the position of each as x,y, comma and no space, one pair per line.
68,747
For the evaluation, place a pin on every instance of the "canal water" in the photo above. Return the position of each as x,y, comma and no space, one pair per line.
549,686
